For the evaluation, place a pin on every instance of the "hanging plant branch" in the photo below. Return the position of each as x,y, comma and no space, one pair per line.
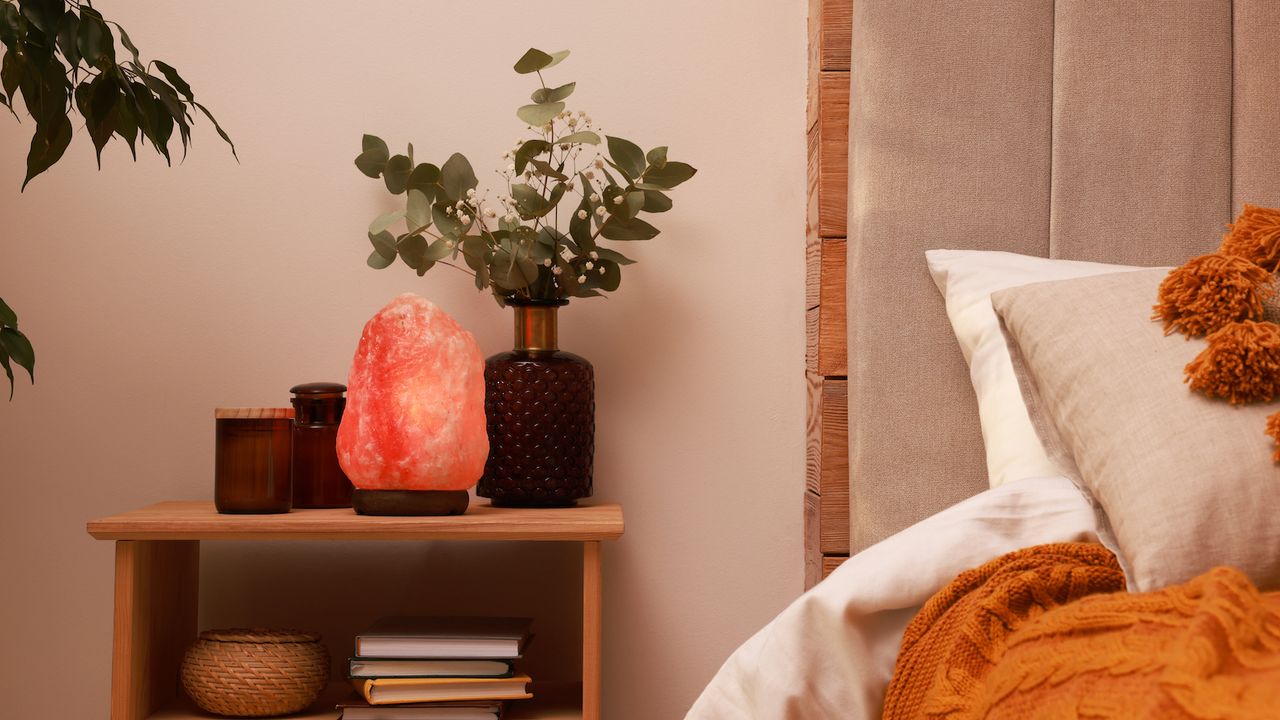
14,346
60,55
518,246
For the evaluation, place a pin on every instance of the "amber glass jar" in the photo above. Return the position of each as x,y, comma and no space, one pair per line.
318,480
540,407
252,451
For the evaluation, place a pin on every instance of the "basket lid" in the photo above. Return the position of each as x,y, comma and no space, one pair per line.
259,635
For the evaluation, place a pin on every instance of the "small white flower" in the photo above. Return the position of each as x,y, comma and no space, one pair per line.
448,210
572,122
511,167
595,197
594,255
471,192
464,218
590,265
489,213
582,214
599,163
600,211
569,185
557,270
546,263
589,174
582,278
617,199
509,218
601,269
450,244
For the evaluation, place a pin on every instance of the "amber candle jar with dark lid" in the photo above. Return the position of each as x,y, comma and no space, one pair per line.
318,480
252,457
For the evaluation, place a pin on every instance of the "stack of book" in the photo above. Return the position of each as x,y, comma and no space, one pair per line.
437,668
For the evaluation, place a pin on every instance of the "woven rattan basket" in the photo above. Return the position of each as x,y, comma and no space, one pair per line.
254,673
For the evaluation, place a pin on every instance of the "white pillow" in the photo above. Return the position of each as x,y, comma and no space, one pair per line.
966,279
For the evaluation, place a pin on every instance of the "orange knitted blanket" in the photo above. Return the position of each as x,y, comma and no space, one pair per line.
1048,632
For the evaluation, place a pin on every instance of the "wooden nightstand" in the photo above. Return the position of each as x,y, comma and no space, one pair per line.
157,587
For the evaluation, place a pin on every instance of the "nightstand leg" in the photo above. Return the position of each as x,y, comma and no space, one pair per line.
157,588
591,630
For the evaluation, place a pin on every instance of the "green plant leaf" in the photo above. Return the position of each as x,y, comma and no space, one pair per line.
94,40
545,168
47,145
513,271
396,174
11,71
580,228
533,60
657,157
384,243
438,250
412,250
539,114
126,124
7,315
556,59
382,222
175,80
528,200
446,224
378,262
8,370
543,95
103,95
221,133
614,256
610,279
621,228
627,156
582,136
373,157
425,178
457,177
655,202
19,349
529,150
417,210
128,44
68,38
669,175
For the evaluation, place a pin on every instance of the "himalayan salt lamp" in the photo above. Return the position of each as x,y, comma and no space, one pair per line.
413,438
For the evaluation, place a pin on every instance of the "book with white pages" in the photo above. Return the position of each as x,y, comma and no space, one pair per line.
362,667
456,638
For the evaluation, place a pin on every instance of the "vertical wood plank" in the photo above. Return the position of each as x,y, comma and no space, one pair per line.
835,35
812,547
835,466
156,595
833,153
831,562
591,619
833,354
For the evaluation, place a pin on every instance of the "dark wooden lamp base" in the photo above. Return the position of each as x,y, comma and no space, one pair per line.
409,502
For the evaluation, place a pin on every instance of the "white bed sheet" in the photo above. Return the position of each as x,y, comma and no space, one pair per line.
831,653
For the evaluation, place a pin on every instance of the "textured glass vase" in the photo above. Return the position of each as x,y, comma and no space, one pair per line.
540,407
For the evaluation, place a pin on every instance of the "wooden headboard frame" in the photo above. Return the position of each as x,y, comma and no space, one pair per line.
826,496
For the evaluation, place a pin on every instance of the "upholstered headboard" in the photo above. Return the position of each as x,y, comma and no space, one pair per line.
1105,130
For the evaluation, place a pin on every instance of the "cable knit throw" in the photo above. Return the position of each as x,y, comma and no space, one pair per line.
1048,632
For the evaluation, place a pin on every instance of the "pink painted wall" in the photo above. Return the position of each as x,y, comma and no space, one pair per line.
154,294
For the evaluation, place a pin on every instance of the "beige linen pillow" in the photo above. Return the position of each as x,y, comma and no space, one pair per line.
1188,483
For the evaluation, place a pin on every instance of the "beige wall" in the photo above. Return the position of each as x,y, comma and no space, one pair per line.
155,294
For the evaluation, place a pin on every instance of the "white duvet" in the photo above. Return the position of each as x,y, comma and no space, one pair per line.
831,653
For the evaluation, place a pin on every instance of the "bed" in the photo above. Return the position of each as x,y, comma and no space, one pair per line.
1106,132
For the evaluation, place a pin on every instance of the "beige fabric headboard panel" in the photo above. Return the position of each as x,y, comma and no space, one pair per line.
1086,129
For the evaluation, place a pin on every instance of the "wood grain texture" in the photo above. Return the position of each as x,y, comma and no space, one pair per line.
834,478
833,357
831,562
813,434
549,702
591,619
156,595
836,34
833,153
812,548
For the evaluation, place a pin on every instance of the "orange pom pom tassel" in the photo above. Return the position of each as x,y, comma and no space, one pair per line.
1255,236
1211,291
1241,364
1273,430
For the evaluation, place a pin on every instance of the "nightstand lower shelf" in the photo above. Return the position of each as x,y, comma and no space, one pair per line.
556,702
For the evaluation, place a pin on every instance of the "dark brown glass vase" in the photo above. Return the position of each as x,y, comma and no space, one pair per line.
540,406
